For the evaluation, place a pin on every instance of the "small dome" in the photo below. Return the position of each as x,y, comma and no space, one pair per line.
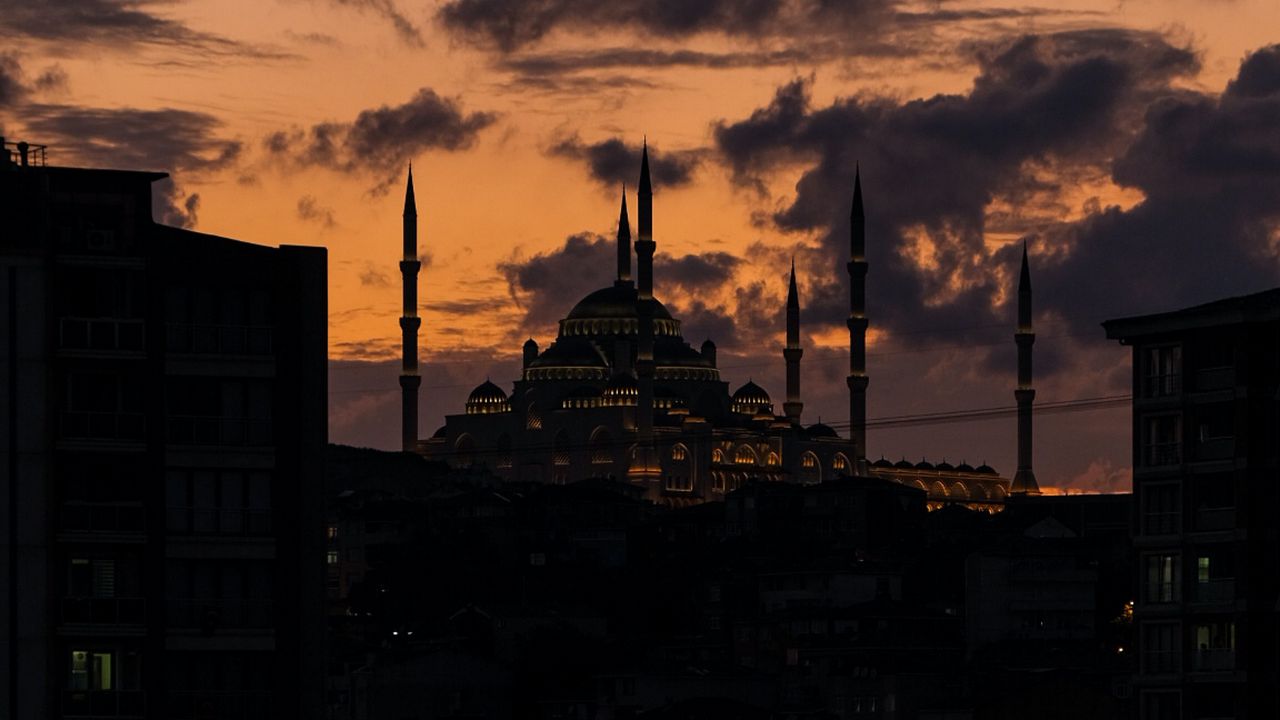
904,464
442,431
964,467
924,465
944,466
986,469
487,398
821,430
882,463
751,399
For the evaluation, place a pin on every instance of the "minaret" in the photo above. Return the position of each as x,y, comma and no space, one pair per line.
1024,482
409,323
857,379
624,243
644,243
792,352
645,465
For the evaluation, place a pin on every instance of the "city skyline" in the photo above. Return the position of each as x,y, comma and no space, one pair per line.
1093,131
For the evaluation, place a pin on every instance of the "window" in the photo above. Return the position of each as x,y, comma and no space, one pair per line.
809,460
219,411
1214,645
1215,431
717,456
332,532
679,483
745,456
331,557
1162,371
1215,577
1160,650
225,502
1162,440
103,405
840,462
679,452
1162,578
1161,508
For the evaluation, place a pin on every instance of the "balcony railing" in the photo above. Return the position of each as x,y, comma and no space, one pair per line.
90,425
1169,453
1220,448
104,611
214,430
1219,378
104,334
1220,590
1207,519
1162,385
103,704
1161,523
104,517
219,706
217,613
219,521
1155,662
209,339
1210,660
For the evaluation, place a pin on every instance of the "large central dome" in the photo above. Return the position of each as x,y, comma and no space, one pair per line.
615,310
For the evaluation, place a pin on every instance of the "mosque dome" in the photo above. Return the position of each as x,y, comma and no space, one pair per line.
924,465
904,464
821,430
883,462
487,398
944,466
964,467
986,469
751,399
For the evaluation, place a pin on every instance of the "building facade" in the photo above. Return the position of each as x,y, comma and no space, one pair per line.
1205,457
163,434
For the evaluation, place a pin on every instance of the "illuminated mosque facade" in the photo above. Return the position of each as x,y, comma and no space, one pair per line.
621,394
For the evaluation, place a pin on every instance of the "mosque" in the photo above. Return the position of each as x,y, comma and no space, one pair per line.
621,394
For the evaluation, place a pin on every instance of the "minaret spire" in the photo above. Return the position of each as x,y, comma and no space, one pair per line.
793,407
1024,481
857,267
409,323
645,466
624,242
644,243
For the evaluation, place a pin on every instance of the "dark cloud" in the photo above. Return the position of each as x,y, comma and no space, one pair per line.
310,209
511,24
555,63
1041,106
181,142
118,24
383,140
387,10
546,285
12,89
372,276
612,162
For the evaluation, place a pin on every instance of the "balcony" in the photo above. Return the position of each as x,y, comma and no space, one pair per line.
214,430
1160,662
206,339
219,706
102,334
1209,519
1220,448
103,704
1213,660
1219,378
219,521
104,611
217,613
1158,454
103,517
1219,590
90,425
1166,385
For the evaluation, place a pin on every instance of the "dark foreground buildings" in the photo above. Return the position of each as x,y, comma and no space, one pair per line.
162,434
1206,418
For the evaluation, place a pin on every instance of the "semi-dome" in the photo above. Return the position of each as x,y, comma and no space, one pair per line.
487,398
821,430
751,399
571,352
621,390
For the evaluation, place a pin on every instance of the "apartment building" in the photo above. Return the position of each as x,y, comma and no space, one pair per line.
1206,479
163,433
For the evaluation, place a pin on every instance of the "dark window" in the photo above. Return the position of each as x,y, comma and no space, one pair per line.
1161,508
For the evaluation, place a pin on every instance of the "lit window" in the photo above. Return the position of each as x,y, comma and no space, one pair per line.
331,557
679,452
333,532
809,460
840,462
717,456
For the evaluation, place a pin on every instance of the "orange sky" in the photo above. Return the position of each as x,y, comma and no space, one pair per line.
504,198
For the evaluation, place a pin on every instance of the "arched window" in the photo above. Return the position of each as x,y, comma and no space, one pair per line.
464,450
809,460
745,456
958,490
504,451
717,456
679,452
772,459
938,491
717,481
810,468
601,446
840,463
532,419
560,455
